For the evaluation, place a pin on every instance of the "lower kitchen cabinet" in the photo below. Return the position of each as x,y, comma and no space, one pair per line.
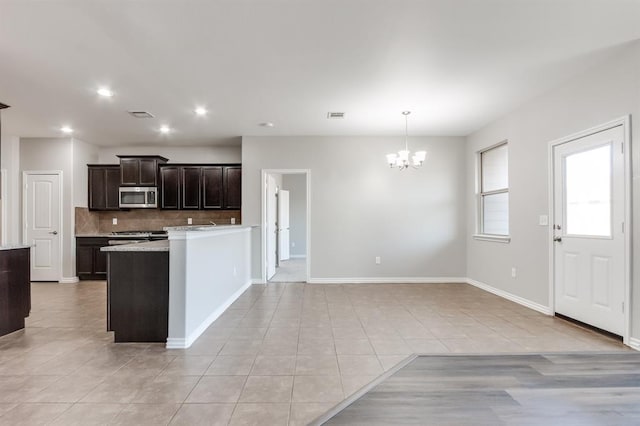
15,289
91,263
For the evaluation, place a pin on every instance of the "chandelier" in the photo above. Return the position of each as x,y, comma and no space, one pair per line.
403,159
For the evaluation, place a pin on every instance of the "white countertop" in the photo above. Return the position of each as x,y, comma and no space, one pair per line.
14,246
161,245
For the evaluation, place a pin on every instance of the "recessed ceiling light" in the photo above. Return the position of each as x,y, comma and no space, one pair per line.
104,92
66,129
200,111
267,124
165,129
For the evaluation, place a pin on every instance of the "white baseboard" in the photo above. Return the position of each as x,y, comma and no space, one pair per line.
68,280
298,256
634,343
184,343
385,280
257,281
512,297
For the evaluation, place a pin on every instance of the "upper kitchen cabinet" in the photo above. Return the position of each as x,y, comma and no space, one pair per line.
212,189
232,187
104,181
170,187
200,186
140,170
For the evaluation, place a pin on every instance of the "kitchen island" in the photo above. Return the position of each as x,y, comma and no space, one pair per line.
15,287
138,291
173,290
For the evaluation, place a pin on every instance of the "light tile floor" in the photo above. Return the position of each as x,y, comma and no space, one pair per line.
291,271
282,354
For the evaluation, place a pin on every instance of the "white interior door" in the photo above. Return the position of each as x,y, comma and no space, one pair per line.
589,247
272,217
42,225
283,224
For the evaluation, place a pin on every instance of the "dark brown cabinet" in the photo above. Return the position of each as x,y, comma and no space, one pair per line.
91,263
232,187
212,190
170,187
200,187
191,177
140,170
15,289
104,182
138,296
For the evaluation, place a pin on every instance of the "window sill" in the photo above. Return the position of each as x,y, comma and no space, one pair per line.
495,238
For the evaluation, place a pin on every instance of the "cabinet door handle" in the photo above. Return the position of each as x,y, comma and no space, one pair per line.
54,232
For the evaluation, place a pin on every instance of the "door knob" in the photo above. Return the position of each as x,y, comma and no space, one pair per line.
54,232
557,239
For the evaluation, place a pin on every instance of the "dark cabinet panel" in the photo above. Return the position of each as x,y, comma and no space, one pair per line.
169,187
140,170
138,296
212,189
191,182
232,187
129,171
84,259
15,289
148,172
104,181
91,263
113,187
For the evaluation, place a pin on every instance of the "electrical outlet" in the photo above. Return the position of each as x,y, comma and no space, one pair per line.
293,244
513,272
233,220
543,220
378,261
189,221
114,221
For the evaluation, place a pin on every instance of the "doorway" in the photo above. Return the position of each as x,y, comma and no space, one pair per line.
42,221
285,225
590,199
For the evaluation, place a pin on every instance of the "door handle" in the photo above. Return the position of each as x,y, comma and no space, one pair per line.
557,239
54,232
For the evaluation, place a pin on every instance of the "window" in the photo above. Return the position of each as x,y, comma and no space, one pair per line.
493,203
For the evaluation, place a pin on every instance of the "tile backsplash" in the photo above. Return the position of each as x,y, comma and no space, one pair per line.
89,222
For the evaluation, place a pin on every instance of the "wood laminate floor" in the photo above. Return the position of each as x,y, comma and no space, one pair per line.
553,389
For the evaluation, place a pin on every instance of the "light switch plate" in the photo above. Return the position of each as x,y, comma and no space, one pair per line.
543,220
114,221
189,221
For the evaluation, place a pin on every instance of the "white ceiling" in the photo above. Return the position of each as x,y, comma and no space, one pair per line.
457,64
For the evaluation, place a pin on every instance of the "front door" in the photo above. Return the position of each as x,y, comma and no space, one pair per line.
589,247
42,227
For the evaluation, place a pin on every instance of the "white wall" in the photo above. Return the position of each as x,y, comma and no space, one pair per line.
599,95
83,154
55,154
414,220
175,154
296,184
10,146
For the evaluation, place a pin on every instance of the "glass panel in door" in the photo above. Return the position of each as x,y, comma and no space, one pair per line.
588,192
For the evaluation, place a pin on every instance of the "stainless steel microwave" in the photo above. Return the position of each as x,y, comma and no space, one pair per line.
138,197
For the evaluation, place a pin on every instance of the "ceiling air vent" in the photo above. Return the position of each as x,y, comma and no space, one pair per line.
141,114
333,115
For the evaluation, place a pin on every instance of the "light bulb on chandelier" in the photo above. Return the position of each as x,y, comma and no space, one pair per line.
403,159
